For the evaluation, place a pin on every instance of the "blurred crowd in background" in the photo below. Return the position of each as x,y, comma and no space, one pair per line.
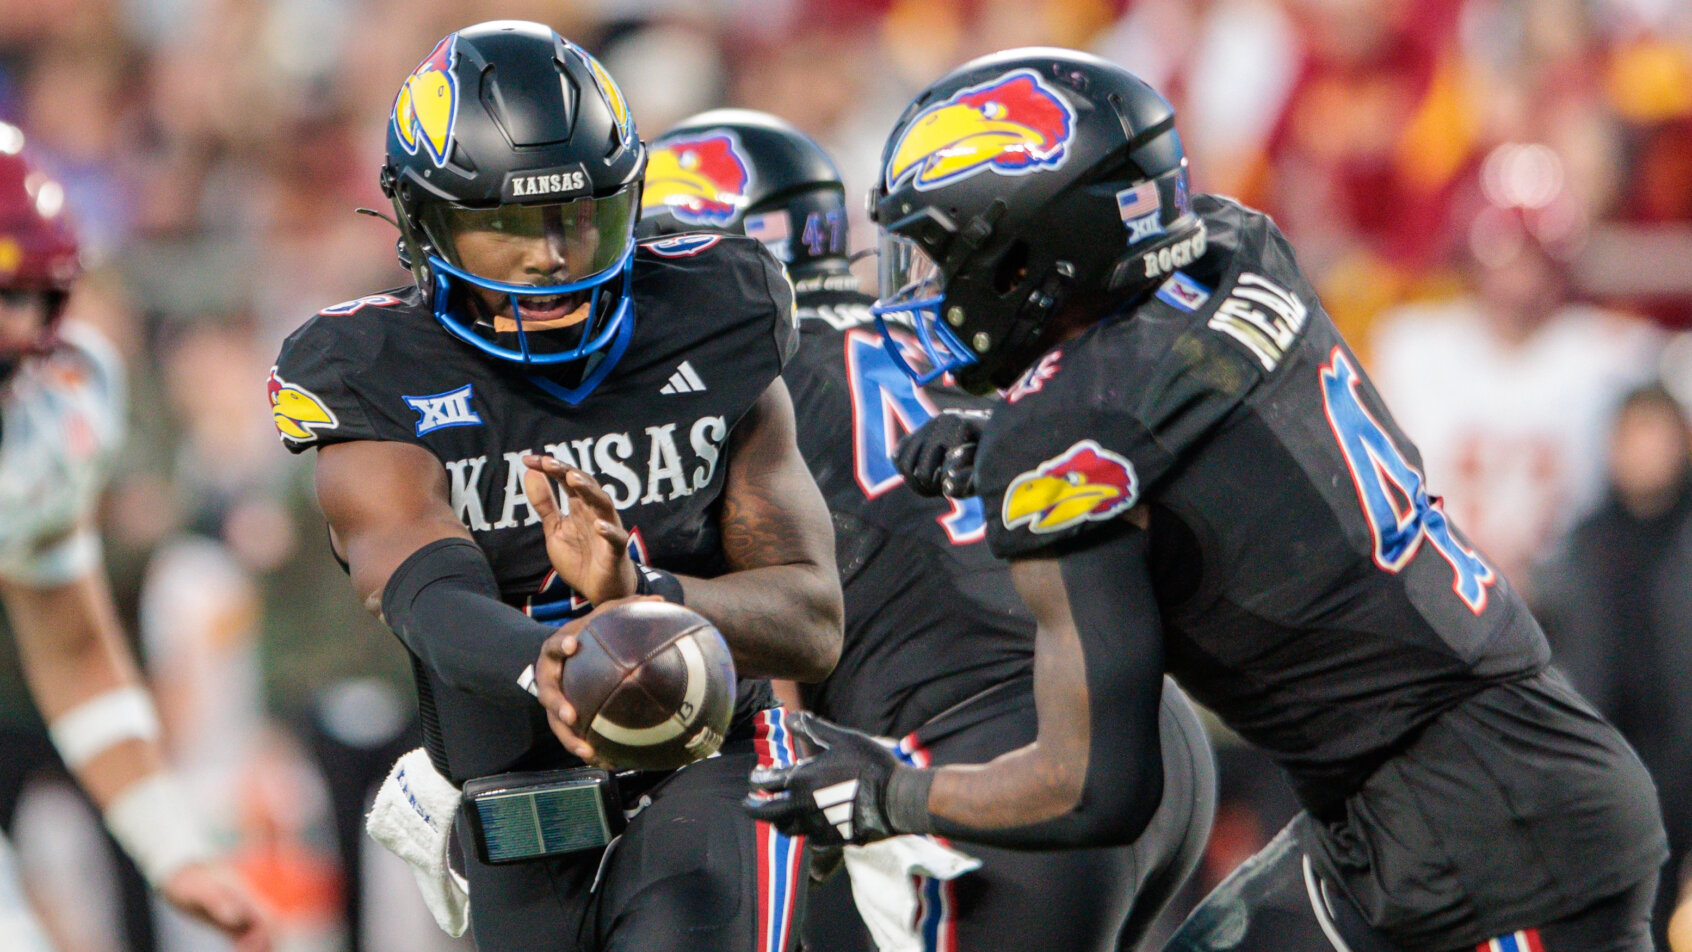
1494,198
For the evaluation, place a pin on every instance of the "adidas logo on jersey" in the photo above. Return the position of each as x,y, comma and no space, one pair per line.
836,802
684,380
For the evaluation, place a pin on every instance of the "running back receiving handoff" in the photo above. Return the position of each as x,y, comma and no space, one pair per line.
1189,472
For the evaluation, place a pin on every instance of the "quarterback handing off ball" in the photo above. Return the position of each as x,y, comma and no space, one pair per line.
652,684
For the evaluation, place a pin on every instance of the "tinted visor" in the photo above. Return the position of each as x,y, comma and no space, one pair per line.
535,245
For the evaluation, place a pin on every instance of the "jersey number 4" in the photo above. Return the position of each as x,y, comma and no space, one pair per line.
1393,493
886,405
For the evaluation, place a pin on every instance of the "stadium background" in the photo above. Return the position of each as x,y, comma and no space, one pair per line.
1493,196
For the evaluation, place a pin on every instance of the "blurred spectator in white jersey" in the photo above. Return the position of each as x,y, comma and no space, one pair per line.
1508,388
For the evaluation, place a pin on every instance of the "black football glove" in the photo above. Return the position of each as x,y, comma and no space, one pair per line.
939,458
840,794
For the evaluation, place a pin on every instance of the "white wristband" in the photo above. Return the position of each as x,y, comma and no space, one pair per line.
151,820
85,731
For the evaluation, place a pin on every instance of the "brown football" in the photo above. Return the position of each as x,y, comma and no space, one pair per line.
652,684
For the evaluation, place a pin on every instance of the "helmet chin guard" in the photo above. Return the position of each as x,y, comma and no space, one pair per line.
593,333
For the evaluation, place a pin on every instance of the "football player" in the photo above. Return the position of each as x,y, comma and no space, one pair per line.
1189,473
61,424
938,651
648,377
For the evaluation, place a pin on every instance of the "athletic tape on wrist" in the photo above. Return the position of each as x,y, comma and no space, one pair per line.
651,581
103,721
151,820
907,800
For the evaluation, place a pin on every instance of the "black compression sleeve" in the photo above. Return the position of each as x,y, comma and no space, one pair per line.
443,602
1108,580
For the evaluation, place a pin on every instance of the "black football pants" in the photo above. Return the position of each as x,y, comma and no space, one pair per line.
691,873
1277,902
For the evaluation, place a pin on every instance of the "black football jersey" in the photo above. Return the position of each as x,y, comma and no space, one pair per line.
712,327
1314,593
931,617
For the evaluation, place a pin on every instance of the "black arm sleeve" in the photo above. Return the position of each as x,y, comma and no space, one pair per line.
1108,581
443,602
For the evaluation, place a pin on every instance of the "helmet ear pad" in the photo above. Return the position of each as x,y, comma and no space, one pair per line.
1009,301
1003,299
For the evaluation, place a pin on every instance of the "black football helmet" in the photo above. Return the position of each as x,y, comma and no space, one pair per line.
1021,184
748,172
505,134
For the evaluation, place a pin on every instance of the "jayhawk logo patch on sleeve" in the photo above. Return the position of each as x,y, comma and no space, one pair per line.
1012,125
1085,483
297,412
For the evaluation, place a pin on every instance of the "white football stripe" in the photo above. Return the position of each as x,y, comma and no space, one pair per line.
692,377
692,698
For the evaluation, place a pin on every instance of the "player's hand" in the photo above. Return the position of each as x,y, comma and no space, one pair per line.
939,458
211,893
838,795
549,680
585,538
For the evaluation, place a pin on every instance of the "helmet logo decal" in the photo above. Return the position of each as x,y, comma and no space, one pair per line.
298,412
1012,125
613,96
1085,483
427,105
701,180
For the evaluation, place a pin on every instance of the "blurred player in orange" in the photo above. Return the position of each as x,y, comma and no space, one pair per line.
61,421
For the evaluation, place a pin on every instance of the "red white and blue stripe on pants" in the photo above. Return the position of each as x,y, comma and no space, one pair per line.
936,917
1524,941
780,876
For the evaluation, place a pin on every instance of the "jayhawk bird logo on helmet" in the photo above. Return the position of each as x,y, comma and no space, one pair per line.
701,180
427,105
1013,125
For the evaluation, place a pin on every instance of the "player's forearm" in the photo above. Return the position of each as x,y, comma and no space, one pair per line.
83,677
443,603
1095,774
74,655
102,720
780,621
70,642
1031,799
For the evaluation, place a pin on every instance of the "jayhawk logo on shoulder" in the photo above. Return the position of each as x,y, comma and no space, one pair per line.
297,412
1012,125
1085,483
427,105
